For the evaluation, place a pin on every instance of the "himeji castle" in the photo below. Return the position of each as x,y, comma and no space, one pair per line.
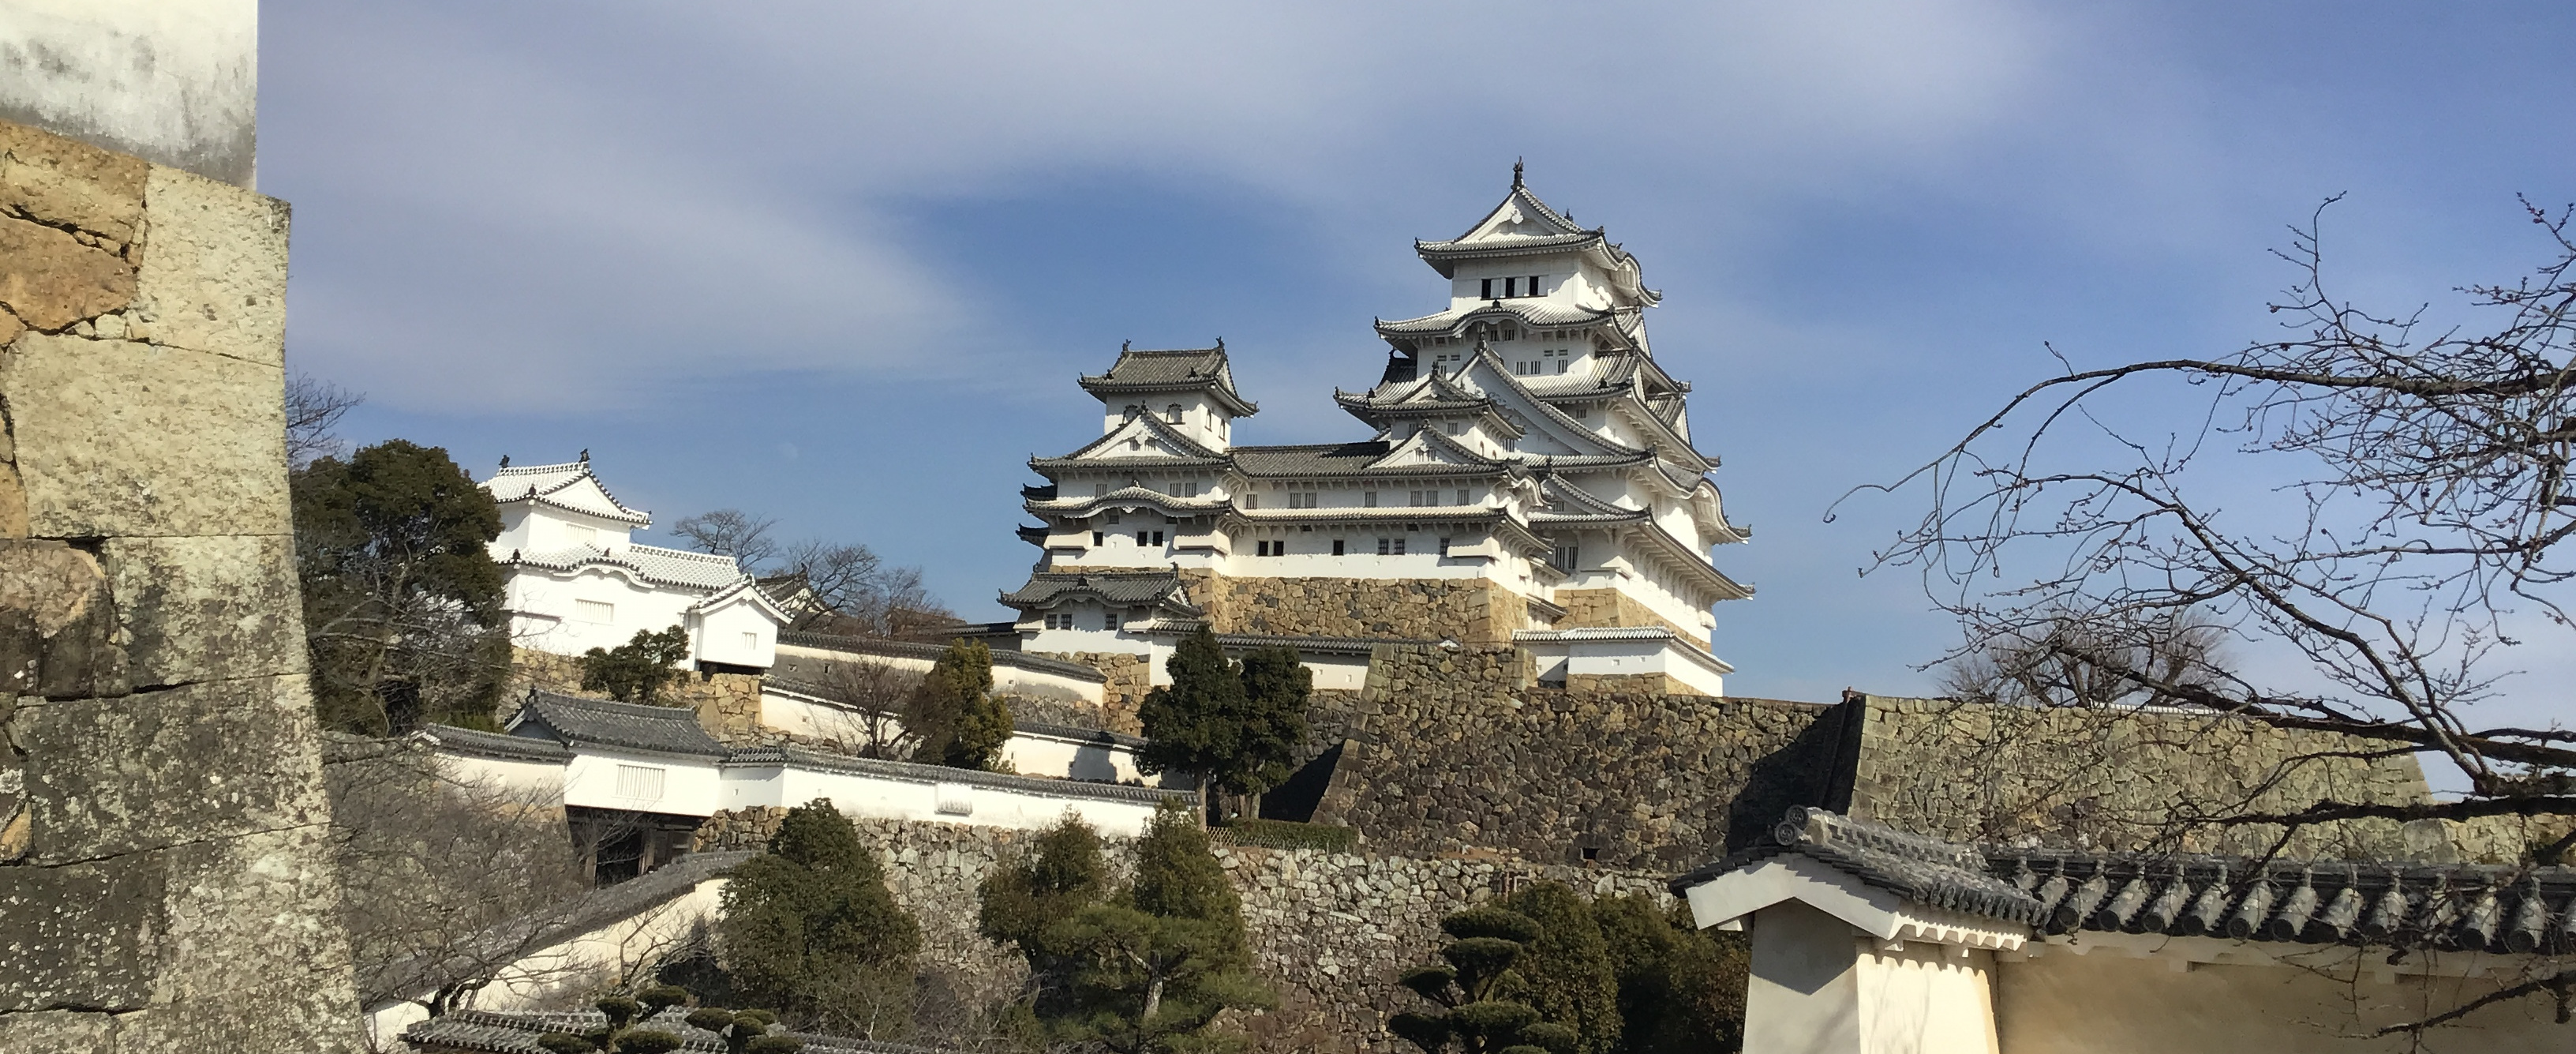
1528,477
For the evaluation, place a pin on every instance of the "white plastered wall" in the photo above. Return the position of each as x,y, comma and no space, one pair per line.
925,799
689,786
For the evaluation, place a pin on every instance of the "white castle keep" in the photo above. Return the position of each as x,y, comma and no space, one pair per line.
1529,479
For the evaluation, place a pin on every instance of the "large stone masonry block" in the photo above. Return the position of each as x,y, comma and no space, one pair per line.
57,622
207,608
261,906
164,768
214,268
49,279
118,439
65,183
80,937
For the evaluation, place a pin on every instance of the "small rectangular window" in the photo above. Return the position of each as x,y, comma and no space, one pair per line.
1337,547
1369,499
1100,490
1457,428
1533,286
597,612
1489,290
1462,496
1399,547
1381,547
1158,538
751,642
1444,546
1140,538
1252,501
1413,497
1098,537
639,782
1511,287
1109,620
1113,517
1582,412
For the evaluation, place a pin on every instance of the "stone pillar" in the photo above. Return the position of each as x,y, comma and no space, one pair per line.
165,879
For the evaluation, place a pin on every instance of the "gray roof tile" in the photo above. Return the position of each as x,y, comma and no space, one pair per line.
601,722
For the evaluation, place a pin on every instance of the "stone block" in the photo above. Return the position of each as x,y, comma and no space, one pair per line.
82,936
119,439
154,769
261,906
67,183
214,268
49,280
52,1030
57,622
206,608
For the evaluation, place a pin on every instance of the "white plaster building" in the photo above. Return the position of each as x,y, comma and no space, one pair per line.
1528,454
578,581
1867,939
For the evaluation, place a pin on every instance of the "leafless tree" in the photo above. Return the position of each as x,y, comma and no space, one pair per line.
313,408
445,882
849,588
731,532
875,694
2406,535
2069,661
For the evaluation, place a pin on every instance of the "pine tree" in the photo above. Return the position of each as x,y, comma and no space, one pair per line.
1473,991
810,927
1567,974
1157,963
625,1031
1060,875
1237,728
961,723
634,672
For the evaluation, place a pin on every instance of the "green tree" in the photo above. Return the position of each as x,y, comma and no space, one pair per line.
1153,966
1566,974
1238,728
810,927
961,723
1681,988
402,599
1059,876
634,672
1473,991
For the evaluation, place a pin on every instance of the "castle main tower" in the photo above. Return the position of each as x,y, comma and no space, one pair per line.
1529,478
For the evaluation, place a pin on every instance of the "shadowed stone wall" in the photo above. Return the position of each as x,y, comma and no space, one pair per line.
1470,610
165,882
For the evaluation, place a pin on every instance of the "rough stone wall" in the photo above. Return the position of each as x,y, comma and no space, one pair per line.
165,882
1610,607
1621,683
1452,752
1469,610
1330,930
1130,677
2117,780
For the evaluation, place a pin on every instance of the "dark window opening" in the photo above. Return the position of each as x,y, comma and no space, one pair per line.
1511,287
1097,537
1533,286
1337,547
1489,290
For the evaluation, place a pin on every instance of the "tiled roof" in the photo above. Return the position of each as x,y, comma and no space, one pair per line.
516,1032
1537,311
493,744
561,486
633,726
911,650
2469,907
1172,371
916,772
1114,588
653,563
1314,459
1926,871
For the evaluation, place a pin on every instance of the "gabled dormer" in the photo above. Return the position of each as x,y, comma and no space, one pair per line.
1524,249
552,508
1192,390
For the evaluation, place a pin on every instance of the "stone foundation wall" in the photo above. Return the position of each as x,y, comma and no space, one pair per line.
1626,684
1469,610
1330,930
2117,779
1610,607
1130,677
165,872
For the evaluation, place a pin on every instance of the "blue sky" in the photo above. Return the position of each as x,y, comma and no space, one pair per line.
840,263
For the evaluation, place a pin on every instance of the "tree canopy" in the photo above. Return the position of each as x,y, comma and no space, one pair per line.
636,671
402,599
846,587
1237,727
1151,968
960,722
811,928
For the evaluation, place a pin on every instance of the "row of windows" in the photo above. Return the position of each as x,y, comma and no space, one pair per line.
1172,414
1507,333
1552,360
1512,287
1387,546
1179,488
1099,538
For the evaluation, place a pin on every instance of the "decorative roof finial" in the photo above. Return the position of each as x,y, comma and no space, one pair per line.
1516,173
1220,343
505,461
585,455
1122,345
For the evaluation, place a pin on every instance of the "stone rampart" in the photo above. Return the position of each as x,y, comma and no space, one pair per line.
1469,610
1130,677
165,875
1330,930
1611,607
